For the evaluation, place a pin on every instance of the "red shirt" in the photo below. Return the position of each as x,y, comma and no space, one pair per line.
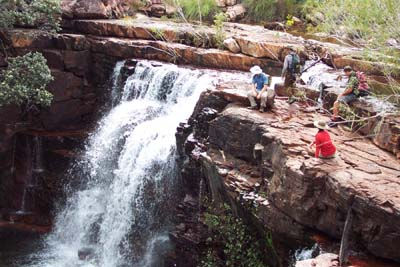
324,145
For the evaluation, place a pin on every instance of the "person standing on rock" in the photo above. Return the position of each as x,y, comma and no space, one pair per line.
291,67
324,147
350,94
260,90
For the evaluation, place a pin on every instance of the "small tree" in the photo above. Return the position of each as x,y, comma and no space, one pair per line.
42,14
24,83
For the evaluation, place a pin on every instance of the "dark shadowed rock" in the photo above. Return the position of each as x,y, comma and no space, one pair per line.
85,254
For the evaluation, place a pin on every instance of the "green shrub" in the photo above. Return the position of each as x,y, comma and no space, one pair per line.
199,9
44,14
220,34
369,20
261,10
24,82
267,10
238,246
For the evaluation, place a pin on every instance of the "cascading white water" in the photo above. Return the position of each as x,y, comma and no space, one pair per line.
128,159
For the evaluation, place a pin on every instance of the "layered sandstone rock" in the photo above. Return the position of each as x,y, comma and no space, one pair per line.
254,41
79,86
262,160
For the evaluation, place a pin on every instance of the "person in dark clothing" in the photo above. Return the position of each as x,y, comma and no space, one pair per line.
350,94
324,147
291,66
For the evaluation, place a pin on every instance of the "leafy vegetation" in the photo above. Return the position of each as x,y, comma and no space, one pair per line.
266,10
237,245
24,82
25,79
370,24
220,35
197,9
44,14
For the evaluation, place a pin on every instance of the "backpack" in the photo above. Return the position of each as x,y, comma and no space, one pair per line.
363,86
362,79
294,67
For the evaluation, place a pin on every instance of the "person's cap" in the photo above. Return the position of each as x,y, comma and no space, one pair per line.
348,68
291,48
320,125
256,70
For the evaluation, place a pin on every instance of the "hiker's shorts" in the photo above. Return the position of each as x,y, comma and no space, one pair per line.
347,98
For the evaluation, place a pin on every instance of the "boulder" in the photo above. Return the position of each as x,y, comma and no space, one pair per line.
323,260
236,12
275,26
95,9
232,45
85,254
158,10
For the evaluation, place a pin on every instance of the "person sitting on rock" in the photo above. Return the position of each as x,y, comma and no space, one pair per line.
291,67
350,94
260,90
324,147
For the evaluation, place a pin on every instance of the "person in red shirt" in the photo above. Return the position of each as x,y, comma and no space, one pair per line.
324,147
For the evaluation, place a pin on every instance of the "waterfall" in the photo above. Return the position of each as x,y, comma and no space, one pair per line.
116,79
34,169
127,171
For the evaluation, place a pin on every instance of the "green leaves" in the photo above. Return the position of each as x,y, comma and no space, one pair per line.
24,82
220,34
199,9
44,14
238,246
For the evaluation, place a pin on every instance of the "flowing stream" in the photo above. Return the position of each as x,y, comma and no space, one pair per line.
128,170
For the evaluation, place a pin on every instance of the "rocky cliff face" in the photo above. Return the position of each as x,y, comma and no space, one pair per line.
262,161
79,87
257,163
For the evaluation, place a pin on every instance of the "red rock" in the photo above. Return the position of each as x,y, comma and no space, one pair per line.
65,86
309,192
77,61
54,59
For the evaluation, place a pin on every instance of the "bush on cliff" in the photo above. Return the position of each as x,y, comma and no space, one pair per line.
25,79
231,242
43,14
24,83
